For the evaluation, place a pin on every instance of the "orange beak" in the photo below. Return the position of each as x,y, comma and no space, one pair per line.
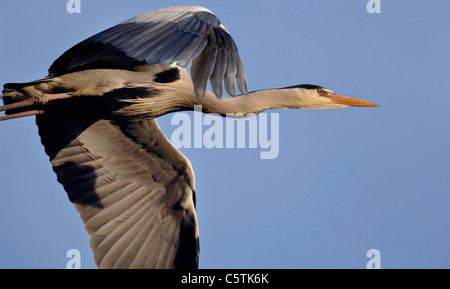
342,99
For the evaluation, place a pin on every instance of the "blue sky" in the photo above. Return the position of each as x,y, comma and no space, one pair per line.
345,181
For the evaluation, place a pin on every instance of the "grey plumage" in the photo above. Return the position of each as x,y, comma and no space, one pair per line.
96,116
165,36
133,189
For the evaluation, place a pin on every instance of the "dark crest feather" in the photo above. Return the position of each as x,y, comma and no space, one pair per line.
305,86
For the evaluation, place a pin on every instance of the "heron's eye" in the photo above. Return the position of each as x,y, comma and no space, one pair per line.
319,91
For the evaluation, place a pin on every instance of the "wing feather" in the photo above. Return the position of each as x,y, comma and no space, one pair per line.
133,189
178,35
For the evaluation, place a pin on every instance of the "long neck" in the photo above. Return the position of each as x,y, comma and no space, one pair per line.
179,95
254,102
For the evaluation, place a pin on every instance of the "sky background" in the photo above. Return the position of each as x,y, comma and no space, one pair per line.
345,181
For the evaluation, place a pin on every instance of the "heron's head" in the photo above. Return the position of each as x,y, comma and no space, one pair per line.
314,96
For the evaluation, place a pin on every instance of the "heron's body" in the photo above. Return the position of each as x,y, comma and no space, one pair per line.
96,114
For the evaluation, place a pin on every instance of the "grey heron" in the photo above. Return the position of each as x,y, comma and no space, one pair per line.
96,114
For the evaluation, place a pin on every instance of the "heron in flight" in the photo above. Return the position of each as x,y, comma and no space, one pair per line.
96,113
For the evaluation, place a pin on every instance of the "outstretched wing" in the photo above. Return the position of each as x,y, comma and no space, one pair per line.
170,35
133,189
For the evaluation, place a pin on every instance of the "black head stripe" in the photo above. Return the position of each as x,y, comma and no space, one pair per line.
305,86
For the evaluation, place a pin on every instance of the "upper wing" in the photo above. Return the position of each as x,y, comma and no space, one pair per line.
133,189
169,35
